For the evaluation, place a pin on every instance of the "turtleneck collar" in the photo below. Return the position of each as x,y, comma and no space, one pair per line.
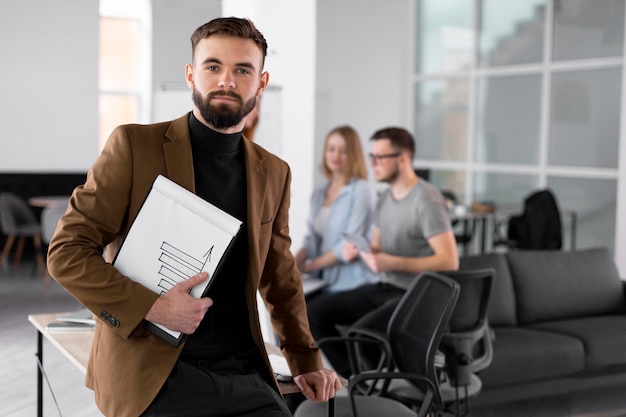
208,139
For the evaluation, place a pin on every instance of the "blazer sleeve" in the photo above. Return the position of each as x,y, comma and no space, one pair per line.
281,288
99,213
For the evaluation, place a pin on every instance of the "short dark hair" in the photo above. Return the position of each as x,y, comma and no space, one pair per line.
229,26
400,139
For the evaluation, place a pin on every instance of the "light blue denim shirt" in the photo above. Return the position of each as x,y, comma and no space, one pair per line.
353,210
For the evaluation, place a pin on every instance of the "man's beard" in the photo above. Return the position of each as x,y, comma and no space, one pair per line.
222,116
391,177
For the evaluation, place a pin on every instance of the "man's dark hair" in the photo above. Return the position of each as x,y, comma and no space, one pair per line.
400,139
229,26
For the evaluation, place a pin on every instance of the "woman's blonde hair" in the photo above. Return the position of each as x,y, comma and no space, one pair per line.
354,152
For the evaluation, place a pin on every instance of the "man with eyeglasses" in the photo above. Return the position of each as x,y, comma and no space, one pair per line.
413,234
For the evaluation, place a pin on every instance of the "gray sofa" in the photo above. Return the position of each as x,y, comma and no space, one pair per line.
559,320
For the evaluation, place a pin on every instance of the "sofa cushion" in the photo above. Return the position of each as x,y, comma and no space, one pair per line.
526,354
555,285
604,338
501,310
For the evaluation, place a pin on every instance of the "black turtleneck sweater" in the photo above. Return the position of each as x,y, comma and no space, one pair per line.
223,342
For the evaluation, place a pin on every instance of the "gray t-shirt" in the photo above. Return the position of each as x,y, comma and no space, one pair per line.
406,224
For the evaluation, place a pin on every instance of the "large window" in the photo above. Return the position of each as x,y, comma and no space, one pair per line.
123,67
511,96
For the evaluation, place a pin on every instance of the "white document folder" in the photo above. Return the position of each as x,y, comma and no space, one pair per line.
175,235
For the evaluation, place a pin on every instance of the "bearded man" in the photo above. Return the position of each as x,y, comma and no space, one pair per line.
222,368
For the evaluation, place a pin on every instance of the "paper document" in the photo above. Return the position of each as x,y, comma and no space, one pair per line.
279,364
83,316
64,327
175,235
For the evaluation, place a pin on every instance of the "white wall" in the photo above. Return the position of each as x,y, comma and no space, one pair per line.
363,67
49,90
173,22
291,37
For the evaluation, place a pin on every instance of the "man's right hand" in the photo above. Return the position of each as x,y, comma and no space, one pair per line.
178,310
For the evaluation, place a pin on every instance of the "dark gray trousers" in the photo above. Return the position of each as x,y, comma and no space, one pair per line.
190,392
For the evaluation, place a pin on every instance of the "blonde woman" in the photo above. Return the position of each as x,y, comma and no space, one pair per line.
344,202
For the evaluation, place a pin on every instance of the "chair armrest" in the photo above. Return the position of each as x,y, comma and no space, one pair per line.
355,345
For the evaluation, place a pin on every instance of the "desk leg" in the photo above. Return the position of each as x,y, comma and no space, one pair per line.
39,374
484,235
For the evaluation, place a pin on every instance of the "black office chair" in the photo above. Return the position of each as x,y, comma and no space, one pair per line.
466,346
538,227
413,334
17,220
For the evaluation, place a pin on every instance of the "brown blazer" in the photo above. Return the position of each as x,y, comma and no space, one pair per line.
128,365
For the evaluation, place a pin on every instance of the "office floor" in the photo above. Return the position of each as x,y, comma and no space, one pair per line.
22,292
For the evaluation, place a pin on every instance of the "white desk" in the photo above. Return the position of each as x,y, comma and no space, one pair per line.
75,346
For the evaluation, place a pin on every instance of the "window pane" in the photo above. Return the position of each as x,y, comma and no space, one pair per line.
506,191
119,54
508,119
444,35
511,32
449,180
594,202
585,117
441,119
588,28
116,109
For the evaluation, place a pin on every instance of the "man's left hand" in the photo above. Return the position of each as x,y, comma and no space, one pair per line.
319,385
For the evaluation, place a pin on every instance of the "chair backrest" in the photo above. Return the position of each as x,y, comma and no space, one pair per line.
539,226
473,303
15,214
418,323
467,341
50,216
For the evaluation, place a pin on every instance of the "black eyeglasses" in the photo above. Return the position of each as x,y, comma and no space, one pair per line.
377,158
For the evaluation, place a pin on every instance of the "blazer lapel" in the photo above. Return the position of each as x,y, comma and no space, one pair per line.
257,183
178,157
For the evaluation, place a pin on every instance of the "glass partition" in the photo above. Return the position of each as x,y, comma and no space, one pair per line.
588,29
584,118
592,202
511,32
445,35
441,119
508,119
506,191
